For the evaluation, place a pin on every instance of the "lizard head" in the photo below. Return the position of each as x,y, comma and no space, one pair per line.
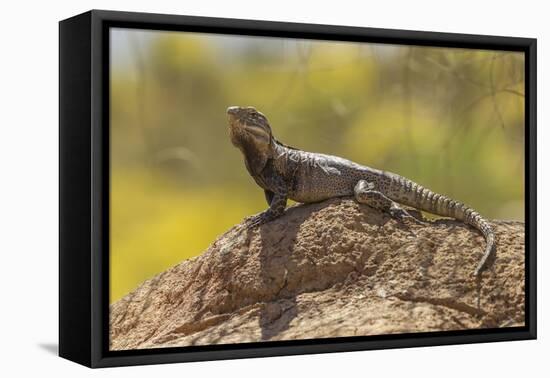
250,132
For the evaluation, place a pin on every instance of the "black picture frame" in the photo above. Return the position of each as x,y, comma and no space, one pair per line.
84,187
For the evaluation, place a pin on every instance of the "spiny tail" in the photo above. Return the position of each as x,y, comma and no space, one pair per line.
412,194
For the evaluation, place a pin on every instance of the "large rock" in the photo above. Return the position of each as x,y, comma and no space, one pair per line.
330,269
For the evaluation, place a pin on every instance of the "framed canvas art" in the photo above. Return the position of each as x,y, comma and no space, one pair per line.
236,188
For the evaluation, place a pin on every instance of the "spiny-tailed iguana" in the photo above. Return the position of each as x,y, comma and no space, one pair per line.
285,172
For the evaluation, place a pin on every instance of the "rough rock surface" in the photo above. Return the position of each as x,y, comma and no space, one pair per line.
336,268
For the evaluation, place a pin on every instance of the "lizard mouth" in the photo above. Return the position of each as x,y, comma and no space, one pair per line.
237,125
256,131
233,110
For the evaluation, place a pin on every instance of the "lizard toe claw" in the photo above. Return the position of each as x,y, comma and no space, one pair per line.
256,220
252,221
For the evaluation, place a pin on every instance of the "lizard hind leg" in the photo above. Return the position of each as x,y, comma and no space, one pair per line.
365,193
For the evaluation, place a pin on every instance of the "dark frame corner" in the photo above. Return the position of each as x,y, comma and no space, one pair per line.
84,186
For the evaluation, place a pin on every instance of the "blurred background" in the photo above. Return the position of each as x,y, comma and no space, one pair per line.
450,119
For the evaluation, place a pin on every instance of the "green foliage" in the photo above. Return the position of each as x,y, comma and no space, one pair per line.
451,119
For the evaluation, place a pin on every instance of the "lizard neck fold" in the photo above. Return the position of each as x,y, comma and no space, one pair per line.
283,158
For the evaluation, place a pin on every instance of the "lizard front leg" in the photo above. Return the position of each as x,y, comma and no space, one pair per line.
365,193
276,209
276,198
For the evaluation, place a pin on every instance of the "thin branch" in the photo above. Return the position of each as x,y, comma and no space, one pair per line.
512,91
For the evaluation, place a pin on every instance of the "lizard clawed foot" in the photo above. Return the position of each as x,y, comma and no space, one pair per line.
418,217
403,215
257,220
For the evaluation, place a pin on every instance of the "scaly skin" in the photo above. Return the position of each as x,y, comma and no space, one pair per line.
285,172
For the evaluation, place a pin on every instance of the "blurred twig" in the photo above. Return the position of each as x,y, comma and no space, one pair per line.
141,96
299,69
460,76
381,78
407,108
493,92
